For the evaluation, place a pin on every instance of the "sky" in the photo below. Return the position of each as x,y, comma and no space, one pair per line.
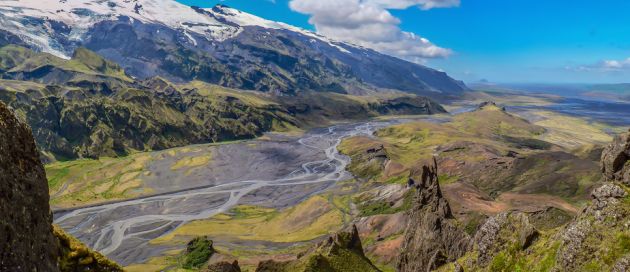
515,41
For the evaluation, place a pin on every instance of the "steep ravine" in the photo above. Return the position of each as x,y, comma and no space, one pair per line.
29,240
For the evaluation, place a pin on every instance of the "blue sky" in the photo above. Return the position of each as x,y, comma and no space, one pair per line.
555,41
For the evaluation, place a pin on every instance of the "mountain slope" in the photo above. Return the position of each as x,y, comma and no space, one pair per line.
220,45
87,107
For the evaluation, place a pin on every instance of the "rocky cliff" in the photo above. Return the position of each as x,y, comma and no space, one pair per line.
615,158
433,237
29,241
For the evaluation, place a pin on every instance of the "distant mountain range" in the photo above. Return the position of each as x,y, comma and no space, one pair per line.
612,91
219,45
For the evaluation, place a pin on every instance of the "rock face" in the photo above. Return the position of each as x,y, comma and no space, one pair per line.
597,230
489,104
432,237
502,231
614,158
603,224
28,243
224,267
341,252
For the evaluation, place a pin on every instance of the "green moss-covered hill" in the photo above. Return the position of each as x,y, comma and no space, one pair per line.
87,107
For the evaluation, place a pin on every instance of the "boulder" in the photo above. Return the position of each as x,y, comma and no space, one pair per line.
224,267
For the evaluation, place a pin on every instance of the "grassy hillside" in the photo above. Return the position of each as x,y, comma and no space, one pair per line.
489,161
87,107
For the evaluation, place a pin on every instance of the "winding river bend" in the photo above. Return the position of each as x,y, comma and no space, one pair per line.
122,230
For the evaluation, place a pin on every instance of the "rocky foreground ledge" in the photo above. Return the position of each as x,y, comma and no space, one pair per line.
29,240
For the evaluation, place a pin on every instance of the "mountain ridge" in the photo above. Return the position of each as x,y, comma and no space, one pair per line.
219,45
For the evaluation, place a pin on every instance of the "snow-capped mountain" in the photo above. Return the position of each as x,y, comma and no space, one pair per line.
219,45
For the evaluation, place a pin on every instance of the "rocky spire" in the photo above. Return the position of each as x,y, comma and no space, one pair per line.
28,243
432,237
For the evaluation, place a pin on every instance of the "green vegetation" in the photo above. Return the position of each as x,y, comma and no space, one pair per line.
505,158
445,179
75,256
594,241
383,207
473,223
572,132
342,252
87,181
197,253
468,144
85,65
313,218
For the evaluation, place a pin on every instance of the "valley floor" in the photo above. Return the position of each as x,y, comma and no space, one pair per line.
273,197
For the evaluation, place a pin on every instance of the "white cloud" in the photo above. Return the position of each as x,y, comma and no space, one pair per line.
604,66
423,4
369,23
616,64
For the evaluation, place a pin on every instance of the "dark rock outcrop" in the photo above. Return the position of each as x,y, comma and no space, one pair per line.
432,237
224,267
488,104
582,239
341,252
503,231
28,243
29,240
614,160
